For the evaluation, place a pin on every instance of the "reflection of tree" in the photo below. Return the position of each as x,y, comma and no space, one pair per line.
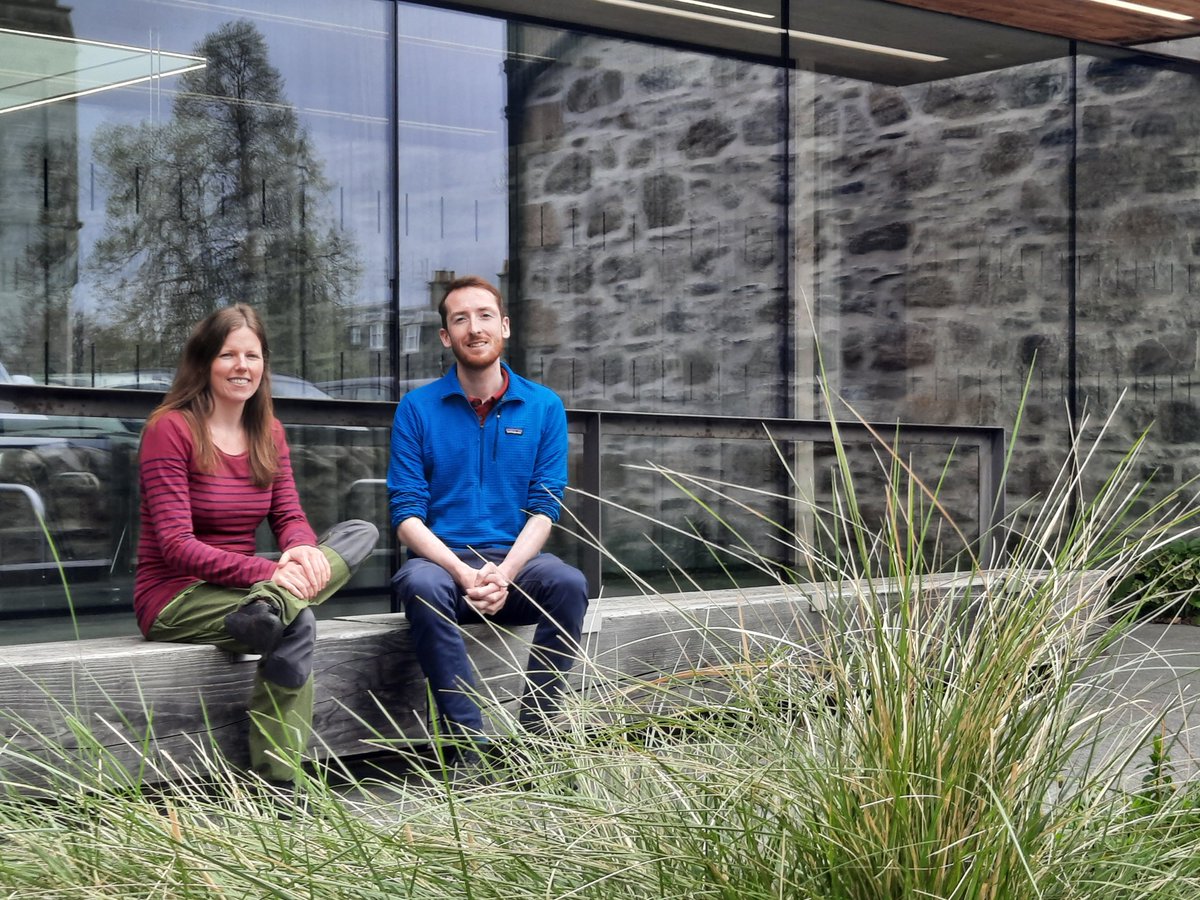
39,331
223,203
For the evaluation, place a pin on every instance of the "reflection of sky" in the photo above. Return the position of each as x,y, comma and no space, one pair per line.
453,189
334,60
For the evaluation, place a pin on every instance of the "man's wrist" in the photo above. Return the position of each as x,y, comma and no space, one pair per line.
464,575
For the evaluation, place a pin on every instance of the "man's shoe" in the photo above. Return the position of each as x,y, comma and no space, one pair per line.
257,625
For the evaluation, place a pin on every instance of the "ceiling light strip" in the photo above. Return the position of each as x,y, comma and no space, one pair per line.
870,48
694,16
770,29
96,90
1147,10
736,10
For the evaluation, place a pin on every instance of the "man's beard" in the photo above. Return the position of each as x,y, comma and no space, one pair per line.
496,350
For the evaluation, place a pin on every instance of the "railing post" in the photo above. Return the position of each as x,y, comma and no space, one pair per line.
589,506
991,498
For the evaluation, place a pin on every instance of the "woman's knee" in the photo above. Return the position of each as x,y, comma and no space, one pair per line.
352,540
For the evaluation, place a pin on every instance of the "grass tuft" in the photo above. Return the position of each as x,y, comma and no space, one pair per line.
920,725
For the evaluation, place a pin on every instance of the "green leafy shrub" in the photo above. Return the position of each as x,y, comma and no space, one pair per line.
1165,582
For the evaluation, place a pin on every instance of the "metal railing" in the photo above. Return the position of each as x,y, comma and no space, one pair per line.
593,426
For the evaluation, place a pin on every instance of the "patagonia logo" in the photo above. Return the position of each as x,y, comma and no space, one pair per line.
514,430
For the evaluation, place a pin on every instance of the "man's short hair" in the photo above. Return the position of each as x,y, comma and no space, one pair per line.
470,281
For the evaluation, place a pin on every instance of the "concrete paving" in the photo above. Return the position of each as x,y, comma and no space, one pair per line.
1150,682
1147,683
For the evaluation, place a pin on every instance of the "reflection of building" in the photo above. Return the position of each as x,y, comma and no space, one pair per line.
39,226
420,347
421,354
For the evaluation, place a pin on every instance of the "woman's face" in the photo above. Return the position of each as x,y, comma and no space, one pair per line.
237,370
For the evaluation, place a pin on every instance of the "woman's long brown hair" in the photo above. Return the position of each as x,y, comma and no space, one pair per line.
191,395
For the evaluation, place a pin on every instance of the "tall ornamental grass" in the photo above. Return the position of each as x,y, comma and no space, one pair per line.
922,737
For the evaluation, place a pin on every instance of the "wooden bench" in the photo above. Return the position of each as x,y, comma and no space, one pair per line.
149,702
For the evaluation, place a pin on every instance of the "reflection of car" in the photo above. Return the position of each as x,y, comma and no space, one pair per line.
359,388
370,388
68,496
145,380
291,386
66,500
160,380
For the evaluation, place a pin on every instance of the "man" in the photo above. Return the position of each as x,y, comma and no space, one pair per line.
477,472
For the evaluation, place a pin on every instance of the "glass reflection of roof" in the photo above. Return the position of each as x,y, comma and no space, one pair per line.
36,69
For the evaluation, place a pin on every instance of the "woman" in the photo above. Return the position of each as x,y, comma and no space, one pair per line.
213,464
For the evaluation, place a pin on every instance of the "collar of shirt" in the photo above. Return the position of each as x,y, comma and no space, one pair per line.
483,407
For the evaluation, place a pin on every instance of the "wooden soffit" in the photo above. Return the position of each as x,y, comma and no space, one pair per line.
1083,20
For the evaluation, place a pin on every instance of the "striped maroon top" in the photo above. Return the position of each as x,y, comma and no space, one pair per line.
199,526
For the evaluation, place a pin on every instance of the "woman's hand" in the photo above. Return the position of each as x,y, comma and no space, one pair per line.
306,567
291,577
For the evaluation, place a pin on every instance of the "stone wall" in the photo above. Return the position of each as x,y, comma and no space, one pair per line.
650,270
947,227
650,229
930,230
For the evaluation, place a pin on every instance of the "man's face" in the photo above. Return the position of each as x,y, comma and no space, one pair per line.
475,330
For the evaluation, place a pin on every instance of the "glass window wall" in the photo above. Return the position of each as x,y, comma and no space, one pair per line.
954,225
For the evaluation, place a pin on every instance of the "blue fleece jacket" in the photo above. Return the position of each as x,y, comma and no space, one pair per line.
475,485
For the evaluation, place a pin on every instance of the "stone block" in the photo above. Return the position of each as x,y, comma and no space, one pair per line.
890,237
662,200
887,106
661,78
597,89
1095,122
1006,153
615,269
575,278
1155,123
1045,349
930,291
1179,422
962,133
766,124
1118,76
540,226
707,137
640,153
900,347
1169,175
1166,354
958,100
606,216
827,119
1039,89
918,174
1057,137
570,175
542,122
